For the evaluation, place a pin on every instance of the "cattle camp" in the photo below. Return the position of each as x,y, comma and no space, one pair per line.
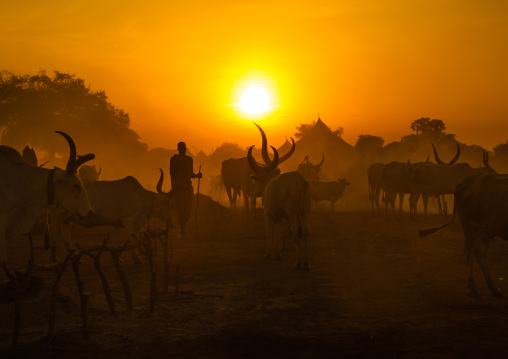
253,179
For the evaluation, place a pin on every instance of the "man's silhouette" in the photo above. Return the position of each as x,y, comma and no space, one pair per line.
181,170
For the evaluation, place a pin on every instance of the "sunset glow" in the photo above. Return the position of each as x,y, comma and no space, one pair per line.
255,100
372,68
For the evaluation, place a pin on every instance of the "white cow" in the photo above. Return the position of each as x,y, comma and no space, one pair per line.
26,193
287,197
125,205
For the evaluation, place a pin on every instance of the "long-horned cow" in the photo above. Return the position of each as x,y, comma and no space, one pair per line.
27,192
287,197
481,203
430,179
125,205
236,174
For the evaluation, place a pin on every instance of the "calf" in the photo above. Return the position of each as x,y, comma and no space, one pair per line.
328,191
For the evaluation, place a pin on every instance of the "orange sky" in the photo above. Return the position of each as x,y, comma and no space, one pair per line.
370,66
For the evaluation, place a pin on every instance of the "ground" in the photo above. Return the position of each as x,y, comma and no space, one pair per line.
374,290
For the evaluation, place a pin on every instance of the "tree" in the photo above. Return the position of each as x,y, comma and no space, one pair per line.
339,131
303,128
501,150
369,145
32,107
427,127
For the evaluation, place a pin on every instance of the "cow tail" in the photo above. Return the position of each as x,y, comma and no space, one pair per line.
425,232
370,191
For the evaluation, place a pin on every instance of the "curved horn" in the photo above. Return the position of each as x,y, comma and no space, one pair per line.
71,163
287,155
436,157
264,145
159,184
305,159
485,157
257,168
82,159
456,156
321,163
427,160
100,170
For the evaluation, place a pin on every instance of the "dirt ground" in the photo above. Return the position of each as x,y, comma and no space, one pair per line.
374,290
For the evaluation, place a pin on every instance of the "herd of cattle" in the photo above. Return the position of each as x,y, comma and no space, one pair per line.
60,198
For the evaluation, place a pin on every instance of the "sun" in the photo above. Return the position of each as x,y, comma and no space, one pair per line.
255,100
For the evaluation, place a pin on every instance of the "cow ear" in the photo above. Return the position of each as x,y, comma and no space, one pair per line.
347,183
253,177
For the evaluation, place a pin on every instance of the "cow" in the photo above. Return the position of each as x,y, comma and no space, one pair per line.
27,192
330,191
125,205
236,175
394,180
286,197
480,202
430,179
375,181
309,170
89,172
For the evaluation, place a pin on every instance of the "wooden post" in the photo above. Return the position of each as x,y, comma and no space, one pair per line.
105,285
115,256
83,298
51,324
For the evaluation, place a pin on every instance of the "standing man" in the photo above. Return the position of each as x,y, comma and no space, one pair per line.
181,170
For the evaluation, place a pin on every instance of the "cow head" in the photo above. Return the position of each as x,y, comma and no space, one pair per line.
89,172
262,174
438,160
264,148
67,190
310,170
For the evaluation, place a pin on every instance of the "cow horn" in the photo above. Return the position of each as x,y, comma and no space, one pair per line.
322,160
159,184
82,159
71,163
287,155
436,157
427,160
485,157
264,145
100,170
257,168
456,156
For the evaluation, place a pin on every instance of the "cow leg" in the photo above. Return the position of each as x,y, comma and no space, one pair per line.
302,259
401,202
376,199
278,228
439,207
482,246
413,204
231,200
425,200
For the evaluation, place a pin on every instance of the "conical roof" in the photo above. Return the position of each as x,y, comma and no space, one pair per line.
320,140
